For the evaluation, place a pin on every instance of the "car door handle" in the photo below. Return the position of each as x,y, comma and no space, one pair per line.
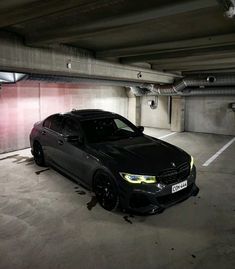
60,142
43,132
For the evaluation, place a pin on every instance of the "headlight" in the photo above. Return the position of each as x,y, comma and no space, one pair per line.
191,163
138,178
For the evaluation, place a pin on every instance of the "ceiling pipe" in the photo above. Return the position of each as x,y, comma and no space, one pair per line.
210,91
229,8
178,88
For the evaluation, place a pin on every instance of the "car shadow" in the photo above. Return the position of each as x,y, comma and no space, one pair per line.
128,216
19,159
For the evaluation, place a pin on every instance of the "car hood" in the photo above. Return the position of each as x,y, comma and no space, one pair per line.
142,154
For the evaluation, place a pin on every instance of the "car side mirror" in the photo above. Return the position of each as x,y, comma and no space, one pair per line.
141,128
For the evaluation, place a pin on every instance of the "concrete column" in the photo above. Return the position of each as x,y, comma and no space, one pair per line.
134,108
177,115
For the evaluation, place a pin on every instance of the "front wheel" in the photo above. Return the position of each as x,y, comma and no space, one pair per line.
38,154
106,191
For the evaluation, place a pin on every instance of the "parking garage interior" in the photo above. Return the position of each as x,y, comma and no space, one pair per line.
166,65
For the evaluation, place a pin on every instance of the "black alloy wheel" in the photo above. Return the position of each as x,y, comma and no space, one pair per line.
38,154
106,192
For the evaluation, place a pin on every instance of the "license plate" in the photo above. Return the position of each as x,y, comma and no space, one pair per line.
179,186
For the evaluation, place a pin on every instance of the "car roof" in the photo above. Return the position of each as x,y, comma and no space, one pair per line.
90,113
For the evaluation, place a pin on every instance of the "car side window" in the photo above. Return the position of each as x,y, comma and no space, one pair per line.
121,125
56,123
71,127
47,122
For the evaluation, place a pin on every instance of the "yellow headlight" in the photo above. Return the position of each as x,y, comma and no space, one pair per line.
138,179
191,163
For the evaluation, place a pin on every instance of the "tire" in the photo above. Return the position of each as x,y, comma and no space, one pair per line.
106,191
38,154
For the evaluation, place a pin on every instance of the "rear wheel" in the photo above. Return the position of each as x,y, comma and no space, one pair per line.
106,191
38,154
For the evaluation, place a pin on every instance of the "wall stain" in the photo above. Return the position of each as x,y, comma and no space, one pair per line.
92,203
41,171
19,159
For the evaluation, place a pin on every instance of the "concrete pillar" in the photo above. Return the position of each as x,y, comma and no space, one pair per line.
177,114
134,108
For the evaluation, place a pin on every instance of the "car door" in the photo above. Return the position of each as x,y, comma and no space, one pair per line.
73,153
51,138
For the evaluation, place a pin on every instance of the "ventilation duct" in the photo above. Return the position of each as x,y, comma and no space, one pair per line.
178,88
229,8
141,90
211,91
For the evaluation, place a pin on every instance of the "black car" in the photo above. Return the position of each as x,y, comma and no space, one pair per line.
111,156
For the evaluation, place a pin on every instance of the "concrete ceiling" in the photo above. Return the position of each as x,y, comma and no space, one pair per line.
192,35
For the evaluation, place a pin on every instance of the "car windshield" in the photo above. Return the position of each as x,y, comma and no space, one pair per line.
108,129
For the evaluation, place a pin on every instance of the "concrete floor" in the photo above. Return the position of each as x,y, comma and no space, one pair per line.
48,221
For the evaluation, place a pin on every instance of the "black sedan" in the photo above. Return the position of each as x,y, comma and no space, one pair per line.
112,157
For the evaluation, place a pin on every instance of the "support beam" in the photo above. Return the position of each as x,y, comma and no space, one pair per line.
68,61
38,9
174,46
119,22
183,53
198,58
195,67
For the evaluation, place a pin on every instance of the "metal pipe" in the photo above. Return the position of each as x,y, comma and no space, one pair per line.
179,87
211,91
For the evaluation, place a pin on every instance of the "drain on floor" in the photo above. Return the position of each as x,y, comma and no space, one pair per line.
41,171
92,203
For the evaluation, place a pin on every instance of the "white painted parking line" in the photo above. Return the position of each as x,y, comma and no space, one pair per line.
166,135
212,158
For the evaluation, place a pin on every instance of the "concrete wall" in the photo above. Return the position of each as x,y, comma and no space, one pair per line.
210,114
157,117
24,103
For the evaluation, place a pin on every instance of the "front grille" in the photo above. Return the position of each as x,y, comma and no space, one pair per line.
168,176
173,175
183,171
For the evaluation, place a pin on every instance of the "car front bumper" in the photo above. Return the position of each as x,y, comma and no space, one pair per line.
154,198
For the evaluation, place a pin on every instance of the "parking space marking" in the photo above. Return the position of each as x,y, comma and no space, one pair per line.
166,135
212,158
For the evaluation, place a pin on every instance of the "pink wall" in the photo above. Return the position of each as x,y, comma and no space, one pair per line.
24,103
